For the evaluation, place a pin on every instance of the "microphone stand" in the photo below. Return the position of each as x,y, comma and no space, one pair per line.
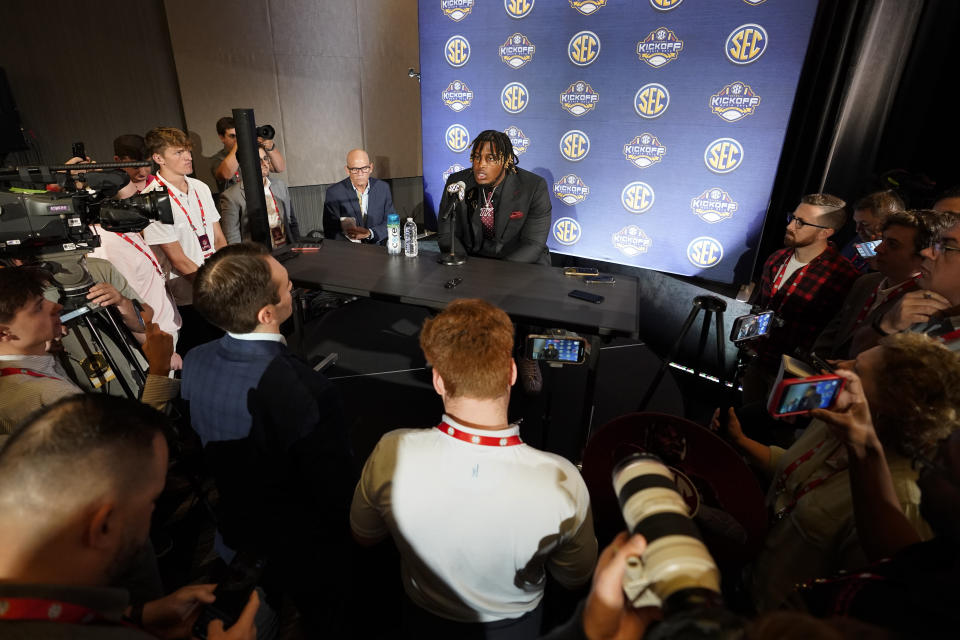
452,258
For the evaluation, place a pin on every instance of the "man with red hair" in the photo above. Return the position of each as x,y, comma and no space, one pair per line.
476,514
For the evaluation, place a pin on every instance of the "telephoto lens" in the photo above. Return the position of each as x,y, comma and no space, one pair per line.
676,572
267,132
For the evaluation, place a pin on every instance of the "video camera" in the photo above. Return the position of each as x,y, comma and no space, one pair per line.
54,226
33,222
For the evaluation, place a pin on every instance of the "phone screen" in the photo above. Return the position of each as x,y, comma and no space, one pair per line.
556,349
868,249
804,396
752,326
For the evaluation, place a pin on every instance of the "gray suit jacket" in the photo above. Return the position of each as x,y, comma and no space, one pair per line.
836,340
233,212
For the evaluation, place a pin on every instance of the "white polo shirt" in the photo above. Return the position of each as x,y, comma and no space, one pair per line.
192,217
137,262
476,522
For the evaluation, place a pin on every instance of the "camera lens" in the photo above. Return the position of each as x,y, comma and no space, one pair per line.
676,567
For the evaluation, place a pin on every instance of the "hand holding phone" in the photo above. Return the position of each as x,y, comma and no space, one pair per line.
867,249
796,396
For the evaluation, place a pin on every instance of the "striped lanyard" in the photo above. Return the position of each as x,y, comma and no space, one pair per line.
796,280
126,236
203,218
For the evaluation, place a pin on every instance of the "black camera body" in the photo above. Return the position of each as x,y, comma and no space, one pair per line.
32,223
266,131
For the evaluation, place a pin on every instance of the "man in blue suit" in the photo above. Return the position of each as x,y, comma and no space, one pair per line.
356,208
273,433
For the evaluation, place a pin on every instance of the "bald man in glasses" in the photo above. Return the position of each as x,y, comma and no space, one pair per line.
356,208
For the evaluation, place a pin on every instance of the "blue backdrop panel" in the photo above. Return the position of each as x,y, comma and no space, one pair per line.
658,124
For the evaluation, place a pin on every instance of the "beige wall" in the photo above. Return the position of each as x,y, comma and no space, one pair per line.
330,75
87,72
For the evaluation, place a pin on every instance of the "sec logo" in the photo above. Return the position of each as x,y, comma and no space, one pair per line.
586,7
457,138
665,5
583,48
651,100
457,51
518,8
574,145
514,98
452,169
637,197
746,44
723,155
566,231
456,10
705,252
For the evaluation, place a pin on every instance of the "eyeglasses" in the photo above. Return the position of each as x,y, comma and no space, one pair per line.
265,161
363,169
939,247
802,223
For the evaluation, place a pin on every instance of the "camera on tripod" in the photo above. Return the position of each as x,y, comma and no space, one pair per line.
53,228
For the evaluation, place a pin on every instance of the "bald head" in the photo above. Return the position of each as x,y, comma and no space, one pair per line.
78,482
359,168
77,449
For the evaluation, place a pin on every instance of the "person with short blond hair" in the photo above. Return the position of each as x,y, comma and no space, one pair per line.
478,516
195,233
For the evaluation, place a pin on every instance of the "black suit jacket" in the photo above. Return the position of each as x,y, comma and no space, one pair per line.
341,201
521,219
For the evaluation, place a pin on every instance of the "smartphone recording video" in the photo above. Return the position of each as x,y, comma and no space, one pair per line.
564,350
751,326
799,395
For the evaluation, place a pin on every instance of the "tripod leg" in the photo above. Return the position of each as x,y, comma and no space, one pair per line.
106,354
670,356
125,341
721,352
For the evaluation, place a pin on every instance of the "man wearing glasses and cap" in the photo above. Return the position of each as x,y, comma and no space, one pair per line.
804,284
356,208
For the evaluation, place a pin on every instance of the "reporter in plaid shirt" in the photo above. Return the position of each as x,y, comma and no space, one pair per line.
804,284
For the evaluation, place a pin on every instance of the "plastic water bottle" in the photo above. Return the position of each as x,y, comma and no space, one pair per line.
393,234
410,238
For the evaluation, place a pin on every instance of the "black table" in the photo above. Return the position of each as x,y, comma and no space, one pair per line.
534,294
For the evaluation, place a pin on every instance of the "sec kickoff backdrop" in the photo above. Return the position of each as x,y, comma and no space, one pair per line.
657,124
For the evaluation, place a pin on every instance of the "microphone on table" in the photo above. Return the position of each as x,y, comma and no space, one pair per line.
457,188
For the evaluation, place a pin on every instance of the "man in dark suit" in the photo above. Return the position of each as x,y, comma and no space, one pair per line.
506,214
273,434
363,200
235,219
873,294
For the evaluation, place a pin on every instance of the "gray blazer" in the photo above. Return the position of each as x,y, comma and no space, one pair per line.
233,212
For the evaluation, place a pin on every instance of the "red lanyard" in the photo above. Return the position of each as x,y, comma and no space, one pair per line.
40,610
203,218
136,246
796,280
909,285
14,371
487,441
275,206
804,489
